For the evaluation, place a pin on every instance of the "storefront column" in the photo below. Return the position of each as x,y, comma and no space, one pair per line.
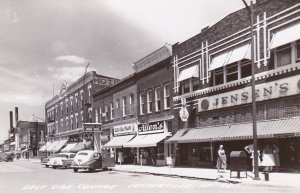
212,151
174,154
138,155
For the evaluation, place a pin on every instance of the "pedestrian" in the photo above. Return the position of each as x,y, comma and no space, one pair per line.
268,158
250,150
120,157
221,162
276,156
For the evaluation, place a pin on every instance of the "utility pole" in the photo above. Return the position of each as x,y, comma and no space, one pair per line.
255,154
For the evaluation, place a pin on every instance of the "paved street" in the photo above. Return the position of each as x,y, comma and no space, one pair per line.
26,176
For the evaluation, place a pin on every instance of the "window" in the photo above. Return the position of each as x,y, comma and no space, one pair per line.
185,86
81,98
232,72
76,122
219,76
96,116
76,100
71,119
149,101
142,103
157,99
195,84
284,55
112,111
298,51
246,69
67,122
167,99
71,101
62,123
117,108
100,114
131,103
67,107
124,107
106,112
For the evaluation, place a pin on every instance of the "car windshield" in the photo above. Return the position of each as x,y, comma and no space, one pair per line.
83,153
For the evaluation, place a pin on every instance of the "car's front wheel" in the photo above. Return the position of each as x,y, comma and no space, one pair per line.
54,167
47,166
75,169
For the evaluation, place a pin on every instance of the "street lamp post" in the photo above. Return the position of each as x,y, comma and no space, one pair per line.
255,154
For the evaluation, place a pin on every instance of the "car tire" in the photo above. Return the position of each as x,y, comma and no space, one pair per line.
92,170
75,169
47,166
54,167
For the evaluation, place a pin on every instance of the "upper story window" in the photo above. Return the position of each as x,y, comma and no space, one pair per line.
142,103
106,112
167,98
100,114
189,79
96,116
61,109
157,99
298,51
118,105
285,45
124,106
149,101
67,107
71,102
231,65
112,111
131,103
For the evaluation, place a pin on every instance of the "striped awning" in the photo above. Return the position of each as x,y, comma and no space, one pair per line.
177,135
118,141
59,145
68,147
43,148
52,145
201,134
149,140
81,146
265,129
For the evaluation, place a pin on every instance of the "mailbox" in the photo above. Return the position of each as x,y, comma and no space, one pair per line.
238,162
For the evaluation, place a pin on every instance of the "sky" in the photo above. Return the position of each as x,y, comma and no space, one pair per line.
44,43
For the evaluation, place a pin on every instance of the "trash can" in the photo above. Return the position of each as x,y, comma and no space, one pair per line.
238,162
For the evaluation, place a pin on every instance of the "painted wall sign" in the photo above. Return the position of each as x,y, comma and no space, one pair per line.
125,129
271,90
153,127
153,58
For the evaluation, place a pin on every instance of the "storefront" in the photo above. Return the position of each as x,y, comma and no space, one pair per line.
149,143
122,134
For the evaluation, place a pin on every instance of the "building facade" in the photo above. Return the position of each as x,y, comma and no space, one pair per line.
69,113
212,79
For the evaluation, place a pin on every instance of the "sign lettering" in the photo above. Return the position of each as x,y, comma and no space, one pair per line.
153,127
125,129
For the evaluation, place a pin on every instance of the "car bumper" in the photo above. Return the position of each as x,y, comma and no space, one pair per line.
80,167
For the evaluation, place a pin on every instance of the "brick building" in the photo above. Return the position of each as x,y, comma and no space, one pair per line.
115,108
212,77
68,112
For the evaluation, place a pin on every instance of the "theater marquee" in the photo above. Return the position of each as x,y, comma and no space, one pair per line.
266,91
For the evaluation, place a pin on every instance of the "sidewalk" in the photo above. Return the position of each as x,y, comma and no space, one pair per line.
275,179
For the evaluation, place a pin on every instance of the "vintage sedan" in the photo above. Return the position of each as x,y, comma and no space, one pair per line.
57,160
91,160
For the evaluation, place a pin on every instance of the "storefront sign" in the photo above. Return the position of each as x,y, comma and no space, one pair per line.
125,129
153,127
92,127
271,90
184,114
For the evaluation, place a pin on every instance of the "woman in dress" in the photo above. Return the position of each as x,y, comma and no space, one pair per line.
276,156
268,158
120,157
221,162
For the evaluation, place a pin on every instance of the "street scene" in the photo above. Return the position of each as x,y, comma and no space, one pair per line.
150,95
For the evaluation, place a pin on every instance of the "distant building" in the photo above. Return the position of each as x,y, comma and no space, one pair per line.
69,111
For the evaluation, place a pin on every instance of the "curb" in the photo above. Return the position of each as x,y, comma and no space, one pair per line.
180,176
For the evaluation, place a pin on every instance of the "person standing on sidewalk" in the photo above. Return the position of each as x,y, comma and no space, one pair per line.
268,158
250,150
120,157
221,162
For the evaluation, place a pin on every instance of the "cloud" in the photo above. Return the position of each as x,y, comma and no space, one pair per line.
71,58
69,74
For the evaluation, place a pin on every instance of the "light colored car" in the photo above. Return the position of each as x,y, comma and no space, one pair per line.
91,160
57,160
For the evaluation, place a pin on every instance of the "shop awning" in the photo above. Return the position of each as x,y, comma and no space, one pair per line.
80,146
59,145
68,147
177,135
235,55
285,36
203,134
44,147
118,141
52,145
265,129
149,140
188,73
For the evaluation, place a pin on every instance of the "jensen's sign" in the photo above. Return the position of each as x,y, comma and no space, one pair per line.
271,90
153,127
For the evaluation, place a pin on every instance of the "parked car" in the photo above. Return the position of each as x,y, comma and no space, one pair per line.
57,161
91,160
7,156
45,160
